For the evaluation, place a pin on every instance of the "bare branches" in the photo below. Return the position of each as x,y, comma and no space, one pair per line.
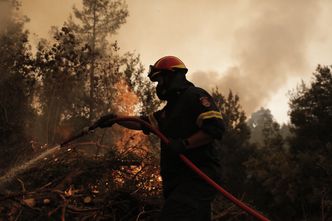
66,187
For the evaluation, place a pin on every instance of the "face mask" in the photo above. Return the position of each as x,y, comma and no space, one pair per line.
161,91
168,85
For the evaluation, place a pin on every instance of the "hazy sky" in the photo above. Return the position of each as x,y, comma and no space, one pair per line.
258,48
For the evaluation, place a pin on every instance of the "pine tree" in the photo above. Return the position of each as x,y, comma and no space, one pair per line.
235,146
311,118
97,20
265,131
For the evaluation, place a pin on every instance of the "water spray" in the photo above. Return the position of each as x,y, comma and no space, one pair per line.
11,174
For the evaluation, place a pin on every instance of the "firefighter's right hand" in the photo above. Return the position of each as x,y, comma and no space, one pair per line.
105,121
177,145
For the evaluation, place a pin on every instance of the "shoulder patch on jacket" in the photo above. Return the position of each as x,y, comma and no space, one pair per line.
205,101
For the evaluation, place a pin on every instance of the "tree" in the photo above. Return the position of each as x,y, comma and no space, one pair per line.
264,129
100,164
62,69
235,147
311,113
97,20
311,118
270,167
16,86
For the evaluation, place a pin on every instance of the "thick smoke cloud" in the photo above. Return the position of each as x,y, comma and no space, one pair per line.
252,47
268,47
5,13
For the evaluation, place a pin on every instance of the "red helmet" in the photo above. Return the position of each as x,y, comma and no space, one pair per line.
167,63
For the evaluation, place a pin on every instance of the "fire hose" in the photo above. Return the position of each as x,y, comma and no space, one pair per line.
190,164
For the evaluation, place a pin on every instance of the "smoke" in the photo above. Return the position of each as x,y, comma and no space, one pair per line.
5,14
268,47
263,43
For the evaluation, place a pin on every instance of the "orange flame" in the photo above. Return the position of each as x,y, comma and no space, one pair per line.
127,105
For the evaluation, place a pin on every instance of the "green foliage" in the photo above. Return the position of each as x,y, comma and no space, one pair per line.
270,169
235,147
16,88
270,172
62,71
311,118
264,130
80,71
97,20
311,113
141,85
294,183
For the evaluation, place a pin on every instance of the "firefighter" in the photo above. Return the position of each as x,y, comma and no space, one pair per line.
192,122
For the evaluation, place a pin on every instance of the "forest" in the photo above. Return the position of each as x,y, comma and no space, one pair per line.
49,93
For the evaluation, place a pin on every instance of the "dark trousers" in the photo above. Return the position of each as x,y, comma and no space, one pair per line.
188,201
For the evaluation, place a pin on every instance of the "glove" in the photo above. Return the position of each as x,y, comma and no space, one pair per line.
104,121
177,145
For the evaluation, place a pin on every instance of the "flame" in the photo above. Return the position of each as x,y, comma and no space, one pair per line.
69,192
130,141
127,104
127,101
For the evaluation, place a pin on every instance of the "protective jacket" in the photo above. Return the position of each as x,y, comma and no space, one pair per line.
190,109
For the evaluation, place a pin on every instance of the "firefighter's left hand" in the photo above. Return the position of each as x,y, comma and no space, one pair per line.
177,145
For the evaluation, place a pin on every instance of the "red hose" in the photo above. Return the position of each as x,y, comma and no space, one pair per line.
228,195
